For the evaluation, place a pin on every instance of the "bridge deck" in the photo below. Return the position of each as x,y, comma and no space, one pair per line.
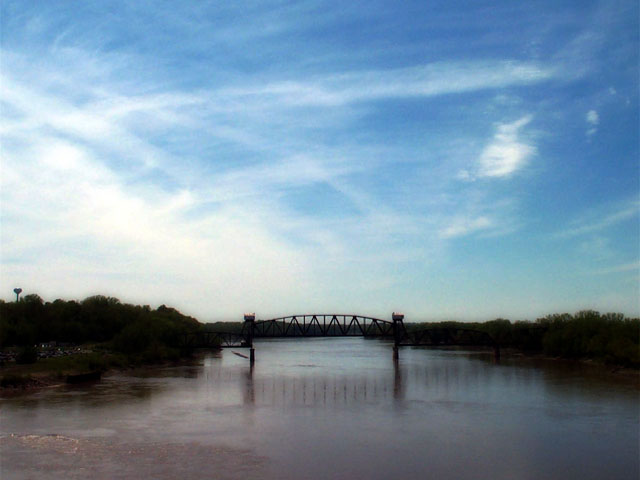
338,325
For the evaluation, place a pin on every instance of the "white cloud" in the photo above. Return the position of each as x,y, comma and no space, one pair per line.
73,225
75,228
221,174
507,153
593,119
84,211
221,242
465,226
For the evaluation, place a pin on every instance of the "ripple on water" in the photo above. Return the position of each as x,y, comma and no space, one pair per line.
64,457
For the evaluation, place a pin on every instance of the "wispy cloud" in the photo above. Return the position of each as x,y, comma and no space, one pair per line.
73,198
596,222
204,157
633,267
434,79
596,248
78,217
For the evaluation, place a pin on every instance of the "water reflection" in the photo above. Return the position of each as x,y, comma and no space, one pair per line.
249,390
339,409
316,390
397,379
473,376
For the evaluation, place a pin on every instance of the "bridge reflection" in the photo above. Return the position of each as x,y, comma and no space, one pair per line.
313,390
440,377
322,390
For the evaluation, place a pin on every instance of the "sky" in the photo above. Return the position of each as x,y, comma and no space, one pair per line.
445,159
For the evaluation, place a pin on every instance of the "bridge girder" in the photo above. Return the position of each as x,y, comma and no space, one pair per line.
338,325
322,325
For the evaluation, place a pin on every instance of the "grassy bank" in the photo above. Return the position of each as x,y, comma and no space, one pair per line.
54,371
50,370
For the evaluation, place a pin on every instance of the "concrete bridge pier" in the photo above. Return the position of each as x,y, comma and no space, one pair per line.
250,322
397,326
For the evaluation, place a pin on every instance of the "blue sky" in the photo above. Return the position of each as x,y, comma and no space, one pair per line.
466,160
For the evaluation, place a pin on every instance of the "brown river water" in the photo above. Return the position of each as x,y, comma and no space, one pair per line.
331,409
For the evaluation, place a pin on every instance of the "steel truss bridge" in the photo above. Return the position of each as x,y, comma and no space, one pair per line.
339,325
322,326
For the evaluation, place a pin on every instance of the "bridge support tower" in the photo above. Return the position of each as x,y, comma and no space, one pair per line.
250,323
398,327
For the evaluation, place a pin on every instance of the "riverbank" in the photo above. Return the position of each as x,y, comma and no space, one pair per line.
18,379
604,368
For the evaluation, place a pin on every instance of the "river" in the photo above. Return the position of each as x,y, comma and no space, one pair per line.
331,409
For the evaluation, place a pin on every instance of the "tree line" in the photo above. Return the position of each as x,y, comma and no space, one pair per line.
153,334
610,337
143,333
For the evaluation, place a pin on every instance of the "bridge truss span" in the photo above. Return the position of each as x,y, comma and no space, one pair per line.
339,325
322,325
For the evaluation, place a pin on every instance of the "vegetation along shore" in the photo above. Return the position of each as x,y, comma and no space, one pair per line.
41,343
44,342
